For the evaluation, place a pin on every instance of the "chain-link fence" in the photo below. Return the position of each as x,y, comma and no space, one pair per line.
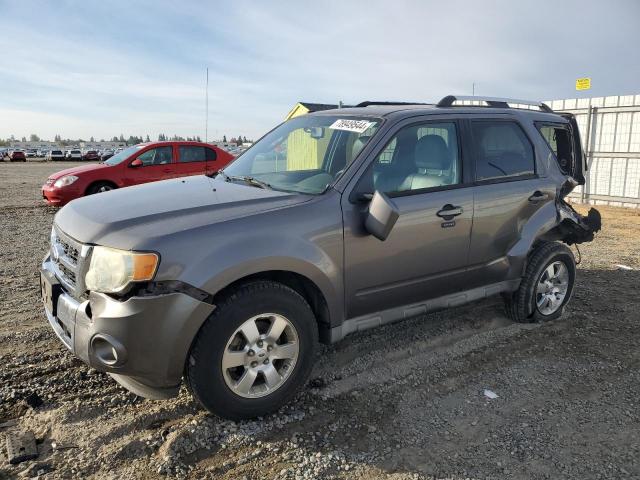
610,131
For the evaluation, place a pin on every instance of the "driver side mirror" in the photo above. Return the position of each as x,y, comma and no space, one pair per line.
382,216
136,163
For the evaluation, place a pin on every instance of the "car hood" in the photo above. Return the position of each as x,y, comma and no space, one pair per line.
78,170
135,216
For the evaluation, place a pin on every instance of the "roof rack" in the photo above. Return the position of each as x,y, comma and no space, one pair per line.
368,103
492,102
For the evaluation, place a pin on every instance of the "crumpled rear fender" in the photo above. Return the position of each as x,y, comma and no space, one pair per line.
556,221
576,228
536,228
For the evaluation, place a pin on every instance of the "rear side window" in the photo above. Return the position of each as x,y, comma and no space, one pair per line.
559,140
502,150
196,154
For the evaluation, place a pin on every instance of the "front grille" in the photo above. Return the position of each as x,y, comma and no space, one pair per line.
69,258
67,273
70,251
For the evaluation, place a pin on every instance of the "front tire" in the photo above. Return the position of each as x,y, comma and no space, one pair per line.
100,187
254,352
546,286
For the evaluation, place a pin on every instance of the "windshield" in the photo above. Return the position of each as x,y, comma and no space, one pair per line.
123,155
305,154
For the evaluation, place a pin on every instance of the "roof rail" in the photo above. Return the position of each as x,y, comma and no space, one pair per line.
492,102
367,103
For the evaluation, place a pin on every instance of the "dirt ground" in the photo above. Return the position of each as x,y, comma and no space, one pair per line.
401,402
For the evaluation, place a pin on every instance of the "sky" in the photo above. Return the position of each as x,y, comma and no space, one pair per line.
95,68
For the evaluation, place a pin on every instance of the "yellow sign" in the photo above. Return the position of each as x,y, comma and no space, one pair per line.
583,84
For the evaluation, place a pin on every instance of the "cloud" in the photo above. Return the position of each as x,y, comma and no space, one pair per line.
105,68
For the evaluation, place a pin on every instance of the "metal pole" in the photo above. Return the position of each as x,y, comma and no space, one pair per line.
585,187
592,145
613,148
206,121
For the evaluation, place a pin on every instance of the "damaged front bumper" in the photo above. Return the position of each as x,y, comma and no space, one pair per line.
142,342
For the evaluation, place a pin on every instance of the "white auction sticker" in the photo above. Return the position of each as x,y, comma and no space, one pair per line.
358,126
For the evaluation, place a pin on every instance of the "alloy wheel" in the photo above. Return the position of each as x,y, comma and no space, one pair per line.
260,355
552,288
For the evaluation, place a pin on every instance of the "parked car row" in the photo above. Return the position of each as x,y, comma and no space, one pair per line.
142,163
19,154
16,155
28,153
78,154
236,150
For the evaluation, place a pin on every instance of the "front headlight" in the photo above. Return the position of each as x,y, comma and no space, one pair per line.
112,270
64,181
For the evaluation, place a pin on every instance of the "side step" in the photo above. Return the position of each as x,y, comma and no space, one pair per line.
408,311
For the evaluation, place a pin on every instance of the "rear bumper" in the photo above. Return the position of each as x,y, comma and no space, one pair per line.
142,342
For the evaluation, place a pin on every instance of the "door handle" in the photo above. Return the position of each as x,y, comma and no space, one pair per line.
167,170
538,196
449,211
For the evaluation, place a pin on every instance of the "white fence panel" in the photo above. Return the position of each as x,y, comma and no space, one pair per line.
612,147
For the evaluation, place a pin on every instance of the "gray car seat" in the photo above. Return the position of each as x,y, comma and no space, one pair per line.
391,177
433,164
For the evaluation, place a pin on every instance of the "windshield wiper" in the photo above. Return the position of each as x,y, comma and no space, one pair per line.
247,179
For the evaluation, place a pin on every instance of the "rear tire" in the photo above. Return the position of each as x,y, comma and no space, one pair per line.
100,187
223,359
546,286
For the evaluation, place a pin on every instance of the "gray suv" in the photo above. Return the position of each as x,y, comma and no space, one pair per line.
332,223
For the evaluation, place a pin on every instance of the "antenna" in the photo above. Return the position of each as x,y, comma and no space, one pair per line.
206,101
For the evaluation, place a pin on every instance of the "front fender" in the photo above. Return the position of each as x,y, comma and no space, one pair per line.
231,263
306,240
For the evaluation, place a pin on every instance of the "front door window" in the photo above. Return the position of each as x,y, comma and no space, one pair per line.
418,157
156,156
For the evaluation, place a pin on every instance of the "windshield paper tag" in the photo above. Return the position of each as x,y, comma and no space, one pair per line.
358,126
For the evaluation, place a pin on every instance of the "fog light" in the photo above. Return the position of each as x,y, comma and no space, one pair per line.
107,350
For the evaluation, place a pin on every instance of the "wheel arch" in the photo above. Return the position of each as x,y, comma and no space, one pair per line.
298,282
533,234
96,182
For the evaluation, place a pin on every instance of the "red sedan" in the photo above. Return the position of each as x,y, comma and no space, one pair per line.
91,156
17,156
142,163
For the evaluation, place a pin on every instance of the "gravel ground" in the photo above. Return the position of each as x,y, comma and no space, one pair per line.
401,402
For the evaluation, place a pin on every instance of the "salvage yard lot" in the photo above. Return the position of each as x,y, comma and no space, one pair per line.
403,401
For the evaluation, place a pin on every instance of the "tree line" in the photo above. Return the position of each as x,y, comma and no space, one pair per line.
132,140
